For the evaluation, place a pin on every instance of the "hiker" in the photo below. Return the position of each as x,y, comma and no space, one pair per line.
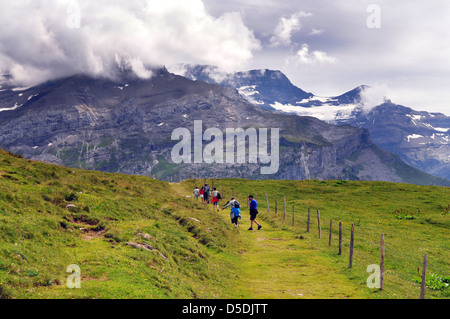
206,193
196,193
216,197
253,212
201,195
235,211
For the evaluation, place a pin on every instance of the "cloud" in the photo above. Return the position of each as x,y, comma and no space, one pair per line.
373,96
286,28
315,31
305,56
44,39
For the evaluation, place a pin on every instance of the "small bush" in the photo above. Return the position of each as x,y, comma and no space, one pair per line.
435,281
71,197
405,214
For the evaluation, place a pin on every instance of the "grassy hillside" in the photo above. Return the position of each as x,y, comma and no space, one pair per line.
40,236
134,237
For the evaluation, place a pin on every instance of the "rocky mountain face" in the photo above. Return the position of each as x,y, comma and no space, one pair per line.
261,87
421,139
126,126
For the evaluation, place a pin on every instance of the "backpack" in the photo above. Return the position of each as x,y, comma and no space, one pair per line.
236,204
219,196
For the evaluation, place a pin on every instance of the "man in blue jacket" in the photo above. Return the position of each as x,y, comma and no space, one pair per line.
253,212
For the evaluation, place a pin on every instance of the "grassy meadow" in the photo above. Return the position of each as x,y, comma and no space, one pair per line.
414,219
134,237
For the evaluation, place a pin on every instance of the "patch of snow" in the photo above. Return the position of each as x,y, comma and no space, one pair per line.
322,99
49,144
15,107
20,89
416,117
439,129
304,101
185,115
412,119
325,112
248,93
35,147
413,136
161,124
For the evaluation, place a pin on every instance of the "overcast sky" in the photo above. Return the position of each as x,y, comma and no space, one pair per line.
329,47
326,47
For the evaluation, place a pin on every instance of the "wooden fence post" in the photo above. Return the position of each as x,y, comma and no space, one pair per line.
248,200
276,204
382,262
267,200
284,207
331,227
223,194
424,277
340,238
352,238
309,219
293,215
318,221
233,191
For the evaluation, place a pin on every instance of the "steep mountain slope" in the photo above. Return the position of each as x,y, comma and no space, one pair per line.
421,139
126,126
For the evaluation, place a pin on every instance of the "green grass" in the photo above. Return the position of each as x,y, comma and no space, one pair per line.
373,208
40,237
196,253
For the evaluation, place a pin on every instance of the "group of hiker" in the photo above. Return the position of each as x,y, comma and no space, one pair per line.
205,194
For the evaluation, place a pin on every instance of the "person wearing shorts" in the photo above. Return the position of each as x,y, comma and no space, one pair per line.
196,193
215,199
253,212
235,214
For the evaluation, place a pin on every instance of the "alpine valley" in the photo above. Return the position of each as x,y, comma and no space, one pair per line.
125,125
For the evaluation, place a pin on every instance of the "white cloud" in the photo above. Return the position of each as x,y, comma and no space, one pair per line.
40,39
286,28
305,56
315,31
373,96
